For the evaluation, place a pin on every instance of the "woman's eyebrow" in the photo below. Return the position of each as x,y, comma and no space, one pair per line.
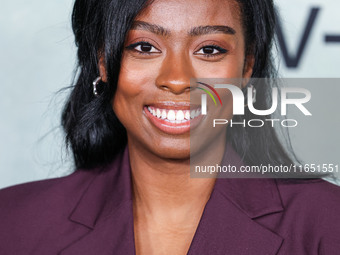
158,30
203,30
195,31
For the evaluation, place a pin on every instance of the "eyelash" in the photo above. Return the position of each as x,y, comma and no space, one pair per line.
214,47
141,43
145,43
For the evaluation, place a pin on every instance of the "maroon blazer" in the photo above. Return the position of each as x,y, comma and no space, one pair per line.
90,213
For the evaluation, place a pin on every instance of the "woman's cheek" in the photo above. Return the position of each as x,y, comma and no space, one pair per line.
136,76
133,82
227,68
130,80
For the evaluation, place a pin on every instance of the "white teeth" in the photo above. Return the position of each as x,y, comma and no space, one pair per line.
195,113
187,115
180,115
164,114
174,116
158,113
171,115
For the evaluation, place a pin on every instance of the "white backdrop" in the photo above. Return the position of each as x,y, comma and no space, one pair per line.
319,58
38,58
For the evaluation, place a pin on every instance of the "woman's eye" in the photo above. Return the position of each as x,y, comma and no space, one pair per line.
211,50
143,47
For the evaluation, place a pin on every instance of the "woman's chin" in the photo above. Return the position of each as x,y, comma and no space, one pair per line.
172,153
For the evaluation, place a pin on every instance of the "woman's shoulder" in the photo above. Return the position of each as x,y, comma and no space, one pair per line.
312,191
46,195
56,196
315,202
37,213
46,216
311,214
54,191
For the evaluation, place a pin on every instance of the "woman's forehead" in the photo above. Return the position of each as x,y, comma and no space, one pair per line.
179,15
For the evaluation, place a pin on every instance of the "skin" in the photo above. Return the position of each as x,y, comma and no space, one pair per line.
167,203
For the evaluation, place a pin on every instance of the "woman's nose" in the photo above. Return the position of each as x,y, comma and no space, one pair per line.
175,74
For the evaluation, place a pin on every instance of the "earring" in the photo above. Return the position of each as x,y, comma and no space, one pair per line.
95,83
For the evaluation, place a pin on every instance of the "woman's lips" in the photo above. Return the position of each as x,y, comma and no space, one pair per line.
173,119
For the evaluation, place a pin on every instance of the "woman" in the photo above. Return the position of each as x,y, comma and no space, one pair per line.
132,192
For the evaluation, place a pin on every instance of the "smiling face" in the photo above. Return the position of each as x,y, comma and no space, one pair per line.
170,43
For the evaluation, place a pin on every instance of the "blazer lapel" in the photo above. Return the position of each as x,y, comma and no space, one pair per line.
228,227
228,224
106,210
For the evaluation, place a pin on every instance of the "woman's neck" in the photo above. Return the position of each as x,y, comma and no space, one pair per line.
164,185
167,203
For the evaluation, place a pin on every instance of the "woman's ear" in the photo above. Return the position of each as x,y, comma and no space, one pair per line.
102,69
248,69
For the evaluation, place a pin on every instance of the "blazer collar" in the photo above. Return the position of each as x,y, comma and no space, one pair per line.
255,197
105,209
227,228
227,224
110,189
